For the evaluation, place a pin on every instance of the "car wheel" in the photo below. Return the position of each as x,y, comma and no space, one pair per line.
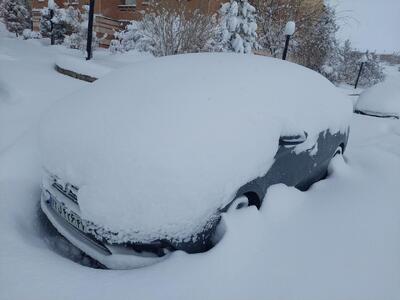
339,151
238,203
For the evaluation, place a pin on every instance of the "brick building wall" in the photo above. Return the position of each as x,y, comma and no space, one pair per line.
113,15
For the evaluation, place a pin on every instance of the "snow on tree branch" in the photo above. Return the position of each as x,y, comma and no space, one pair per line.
238,26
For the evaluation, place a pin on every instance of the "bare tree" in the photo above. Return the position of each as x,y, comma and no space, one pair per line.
316,41
272,15
169,27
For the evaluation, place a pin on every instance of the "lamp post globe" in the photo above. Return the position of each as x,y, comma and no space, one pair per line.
289,31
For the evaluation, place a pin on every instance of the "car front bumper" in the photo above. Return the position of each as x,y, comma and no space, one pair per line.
377,114
111,256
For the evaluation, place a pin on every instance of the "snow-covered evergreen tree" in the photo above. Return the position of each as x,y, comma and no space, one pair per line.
57,22
16,15
238,26
50,25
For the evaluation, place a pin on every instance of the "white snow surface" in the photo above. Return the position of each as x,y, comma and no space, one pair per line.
81,66
382,98
339,240
103,63
158,147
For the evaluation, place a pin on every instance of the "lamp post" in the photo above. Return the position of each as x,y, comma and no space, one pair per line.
289,30
52,39
90,31
51,7
363,60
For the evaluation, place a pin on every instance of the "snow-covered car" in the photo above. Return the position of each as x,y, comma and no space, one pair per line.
381,100
145,160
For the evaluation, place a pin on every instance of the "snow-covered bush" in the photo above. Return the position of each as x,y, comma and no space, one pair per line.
238,26
30,34
343,65
78,38
167,29
15,15
57,22
372,71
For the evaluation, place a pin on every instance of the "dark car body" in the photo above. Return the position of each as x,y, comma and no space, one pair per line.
290,167
376,114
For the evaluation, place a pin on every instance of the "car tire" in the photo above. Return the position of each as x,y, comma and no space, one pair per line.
238,203
339,151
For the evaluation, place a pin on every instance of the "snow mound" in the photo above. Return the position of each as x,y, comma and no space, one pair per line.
382,98
8,94
156,148
81,66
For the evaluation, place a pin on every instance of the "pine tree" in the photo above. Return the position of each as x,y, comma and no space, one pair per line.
49,26
16,16
57,22
238,22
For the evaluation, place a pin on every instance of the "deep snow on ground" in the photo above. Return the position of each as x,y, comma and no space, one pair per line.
27,64
103,61
339,240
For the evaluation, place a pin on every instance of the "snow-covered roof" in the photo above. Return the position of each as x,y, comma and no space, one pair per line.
382,98
156,148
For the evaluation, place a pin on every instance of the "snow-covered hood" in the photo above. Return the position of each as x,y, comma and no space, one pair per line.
158,147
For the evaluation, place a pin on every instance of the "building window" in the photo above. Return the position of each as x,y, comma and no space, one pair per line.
130,2
71,2
127,5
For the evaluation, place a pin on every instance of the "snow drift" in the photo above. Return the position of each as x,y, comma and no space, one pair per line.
158,147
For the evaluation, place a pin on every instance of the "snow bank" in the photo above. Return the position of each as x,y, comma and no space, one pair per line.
82,66
381,99
8,95
158,147
103,62
4,32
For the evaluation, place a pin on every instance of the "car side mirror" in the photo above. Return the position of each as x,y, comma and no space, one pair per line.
293,140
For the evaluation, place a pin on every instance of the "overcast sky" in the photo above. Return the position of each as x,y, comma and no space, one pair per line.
370,24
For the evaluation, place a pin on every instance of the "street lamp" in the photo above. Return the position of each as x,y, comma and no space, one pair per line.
289,30
363,60
90,31
51,7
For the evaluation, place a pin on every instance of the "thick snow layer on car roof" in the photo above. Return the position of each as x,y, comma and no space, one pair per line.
158,147
382,98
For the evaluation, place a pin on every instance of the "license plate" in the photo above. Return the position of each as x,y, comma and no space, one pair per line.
68,215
